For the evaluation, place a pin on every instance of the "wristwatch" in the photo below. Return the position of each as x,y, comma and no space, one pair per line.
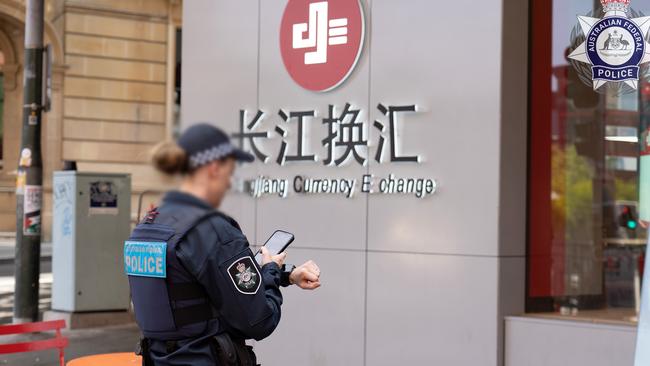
285,272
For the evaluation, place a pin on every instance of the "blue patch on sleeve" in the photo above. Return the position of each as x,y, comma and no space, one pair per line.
147,259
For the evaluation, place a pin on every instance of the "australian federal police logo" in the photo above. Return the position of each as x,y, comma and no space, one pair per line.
614,46
244,275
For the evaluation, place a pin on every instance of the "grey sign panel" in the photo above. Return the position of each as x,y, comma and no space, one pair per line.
432,279
456,87
317,220
220,78
431,310
331,319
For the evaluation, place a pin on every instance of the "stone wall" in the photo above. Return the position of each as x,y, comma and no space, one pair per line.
113,92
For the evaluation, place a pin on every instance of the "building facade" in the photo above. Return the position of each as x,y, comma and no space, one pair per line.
525,248
114,90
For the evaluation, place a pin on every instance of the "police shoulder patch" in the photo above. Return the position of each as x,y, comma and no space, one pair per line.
244,275
145,259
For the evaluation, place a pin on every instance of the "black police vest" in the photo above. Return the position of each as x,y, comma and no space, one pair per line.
173,307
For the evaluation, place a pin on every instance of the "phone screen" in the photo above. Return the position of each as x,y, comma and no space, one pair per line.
275,244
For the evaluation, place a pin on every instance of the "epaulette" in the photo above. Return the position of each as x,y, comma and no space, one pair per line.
150,216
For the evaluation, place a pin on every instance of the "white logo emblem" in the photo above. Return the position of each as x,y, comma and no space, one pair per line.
322,32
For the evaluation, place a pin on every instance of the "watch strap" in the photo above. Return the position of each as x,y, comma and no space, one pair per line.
285,273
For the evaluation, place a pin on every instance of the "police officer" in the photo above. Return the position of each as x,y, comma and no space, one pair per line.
197,291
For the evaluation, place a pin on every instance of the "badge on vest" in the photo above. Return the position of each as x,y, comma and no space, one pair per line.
146,259
244,275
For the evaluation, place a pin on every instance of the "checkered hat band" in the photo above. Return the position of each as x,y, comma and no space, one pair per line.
214,153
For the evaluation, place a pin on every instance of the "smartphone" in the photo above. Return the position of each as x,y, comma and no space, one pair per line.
276,244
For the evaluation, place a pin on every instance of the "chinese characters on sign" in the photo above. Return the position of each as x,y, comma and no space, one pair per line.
344,130
344,142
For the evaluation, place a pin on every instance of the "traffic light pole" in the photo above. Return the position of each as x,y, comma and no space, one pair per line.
29,181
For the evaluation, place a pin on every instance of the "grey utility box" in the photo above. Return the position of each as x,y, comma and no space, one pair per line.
91,221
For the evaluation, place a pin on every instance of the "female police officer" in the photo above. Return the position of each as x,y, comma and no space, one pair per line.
196,289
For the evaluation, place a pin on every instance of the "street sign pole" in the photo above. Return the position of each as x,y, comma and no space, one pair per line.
29,181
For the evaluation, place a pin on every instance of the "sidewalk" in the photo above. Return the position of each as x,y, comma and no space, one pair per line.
8,248
82,342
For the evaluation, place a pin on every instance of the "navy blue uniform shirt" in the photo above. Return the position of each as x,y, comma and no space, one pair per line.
209,252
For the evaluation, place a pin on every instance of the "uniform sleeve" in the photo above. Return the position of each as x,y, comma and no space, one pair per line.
247,296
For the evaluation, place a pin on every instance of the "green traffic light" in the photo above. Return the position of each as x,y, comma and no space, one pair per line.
631,224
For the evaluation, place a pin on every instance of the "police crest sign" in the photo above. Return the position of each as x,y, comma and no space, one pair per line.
244,275
614,45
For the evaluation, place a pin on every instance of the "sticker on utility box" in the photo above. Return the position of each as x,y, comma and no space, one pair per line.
103,199
146,259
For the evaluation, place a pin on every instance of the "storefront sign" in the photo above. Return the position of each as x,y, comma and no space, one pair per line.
345,187
321,41
345,143
345,140
614,46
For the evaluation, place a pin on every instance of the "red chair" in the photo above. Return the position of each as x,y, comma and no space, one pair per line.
59,341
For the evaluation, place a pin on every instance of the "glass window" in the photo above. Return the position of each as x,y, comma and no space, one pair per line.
177,83
586,241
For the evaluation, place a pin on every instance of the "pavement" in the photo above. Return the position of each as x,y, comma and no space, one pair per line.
82,342
8,247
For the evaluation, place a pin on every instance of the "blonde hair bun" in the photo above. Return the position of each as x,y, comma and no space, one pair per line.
169,158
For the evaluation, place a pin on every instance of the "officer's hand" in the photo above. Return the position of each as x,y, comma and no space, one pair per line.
268,258
306,276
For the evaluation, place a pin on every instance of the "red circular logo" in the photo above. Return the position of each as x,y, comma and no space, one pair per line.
321,41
